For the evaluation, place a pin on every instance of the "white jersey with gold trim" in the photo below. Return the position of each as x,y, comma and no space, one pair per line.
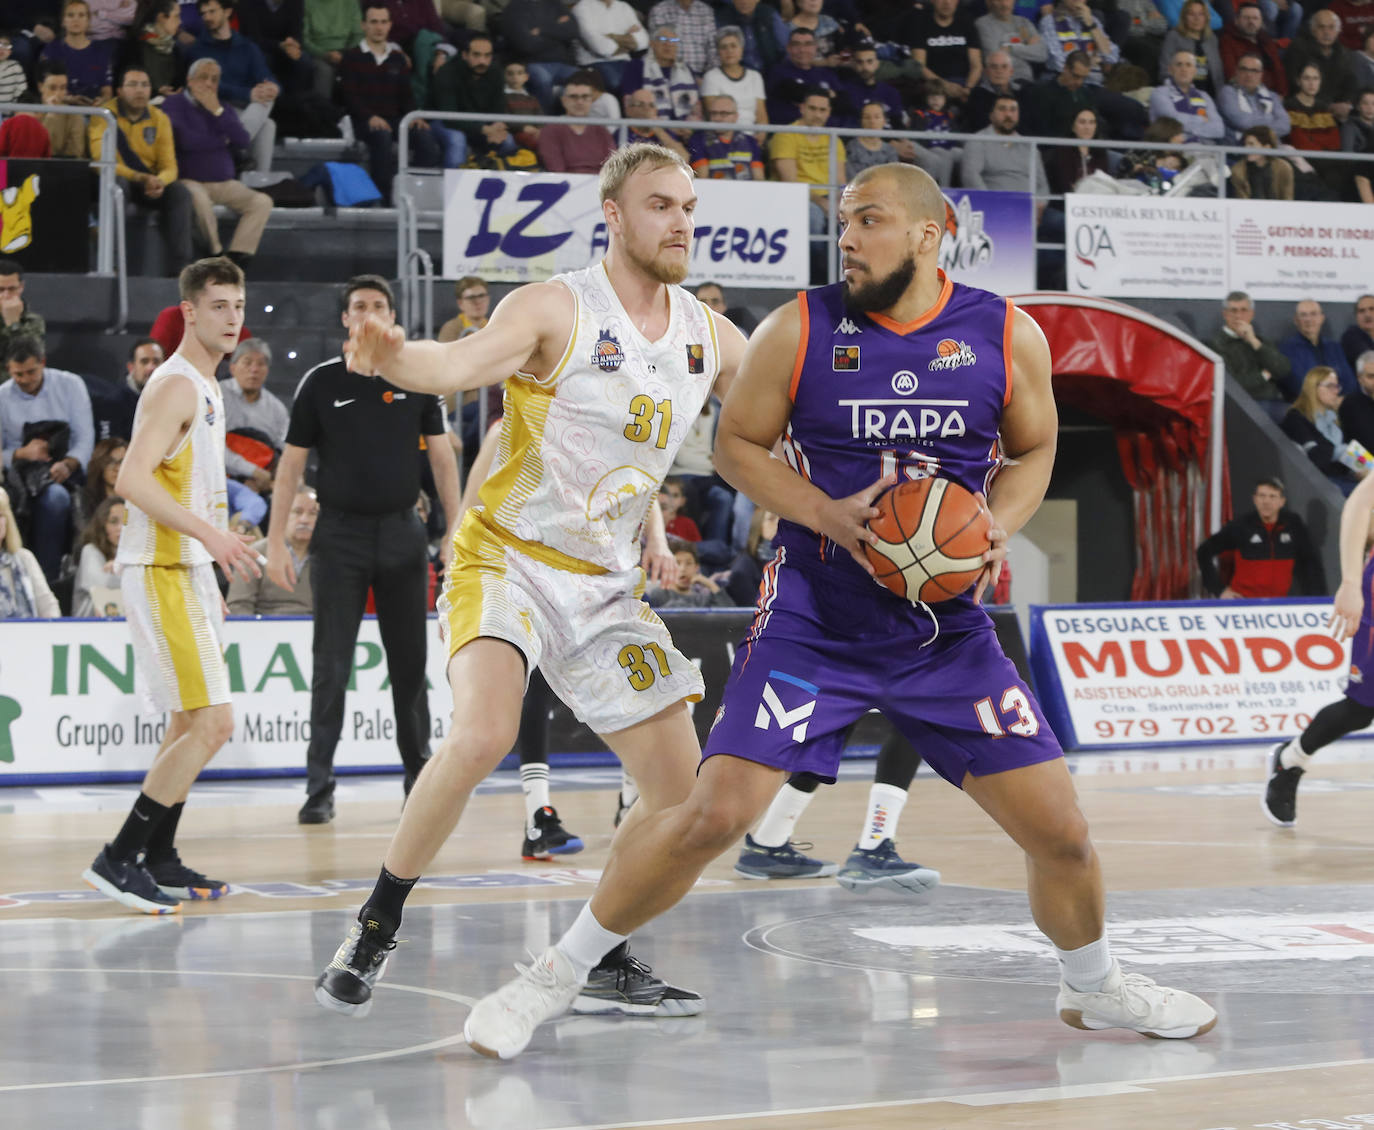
583,451
193,475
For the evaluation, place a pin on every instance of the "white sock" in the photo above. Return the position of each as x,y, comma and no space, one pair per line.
534,782
1085,968
885,804
1292,756
587,942
629,791
775,829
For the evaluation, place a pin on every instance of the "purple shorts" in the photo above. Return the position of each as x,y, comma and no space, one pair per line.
821,653
1360,687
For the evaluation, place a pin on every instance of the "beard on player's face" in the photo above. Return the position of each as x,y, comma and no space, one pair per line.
880,294
660,263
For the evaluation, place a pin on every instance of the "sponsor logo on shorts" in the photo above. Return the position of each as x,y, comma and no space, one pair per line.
772,710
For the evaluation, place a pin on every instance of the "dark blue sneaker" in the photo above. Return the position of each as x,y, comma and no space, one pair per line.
550,838
882,867
181,882
128,882
785,862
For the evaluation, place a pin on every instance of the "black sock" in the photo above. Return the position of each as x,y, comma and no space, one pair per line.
160,843
142,821
388,900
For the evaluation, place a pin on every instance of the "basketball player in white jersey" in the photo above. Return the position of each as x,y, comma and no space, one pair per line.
172,479
607,368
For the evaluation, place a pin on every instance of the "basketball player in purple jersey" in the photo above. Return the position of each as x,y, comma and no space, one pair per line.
894,372
1352,615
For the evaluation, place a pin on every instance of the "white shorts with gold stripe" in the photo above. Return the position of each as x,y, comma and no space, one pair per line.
604,652
177,620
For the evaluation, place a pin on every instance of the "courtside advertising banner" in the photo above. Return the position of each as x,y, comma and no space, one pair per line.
1153,247
989,240
528,227
1124,675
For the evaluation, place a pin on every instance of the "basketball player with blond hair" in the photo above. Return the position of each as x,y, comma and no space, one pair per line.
605,369
172,478
829,643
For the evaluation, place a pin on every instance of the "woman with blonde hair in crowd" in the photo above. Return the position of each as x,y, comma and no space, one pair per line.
1193,33
1312,424
95,569
24,592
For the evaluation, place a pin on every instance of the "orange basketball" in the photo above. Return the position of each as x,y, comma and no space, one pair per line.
932,534
947,348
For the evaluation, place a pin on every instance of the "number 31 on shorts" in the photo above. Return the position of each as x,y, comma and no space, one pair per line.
635,660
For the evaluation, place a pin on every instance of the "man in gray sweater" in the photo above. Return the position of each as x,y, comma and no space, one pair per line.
999,164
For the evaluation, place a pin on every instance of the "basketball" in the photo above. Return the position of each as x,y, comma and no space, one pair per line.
932,534
947,348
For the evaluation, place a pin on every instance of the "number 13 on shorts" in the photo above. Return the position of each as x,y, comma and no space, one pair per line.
1013,701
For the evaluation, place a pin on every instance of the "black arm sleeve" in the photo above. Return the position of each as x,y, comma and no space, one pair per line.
1207,552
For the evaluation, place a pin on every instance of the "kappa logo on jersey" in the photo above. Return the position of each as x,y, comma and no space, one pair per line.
846,359
952,354
772,710
607,354
904,382
846,326
696,359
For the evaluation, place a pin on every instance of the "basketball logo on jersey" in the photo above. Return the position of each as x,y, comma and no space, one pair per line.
846,359
607,354
696,359
209,411
952,354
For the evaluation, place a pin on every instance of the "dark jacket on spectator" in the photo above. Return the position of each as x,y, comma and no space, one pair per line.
557,31
1356,415
1319,449
1233,45
458,88
1354,342
1338,68
1304,357
1065,166
1245,364
203,140
765,34
368,88
241,62
1277,560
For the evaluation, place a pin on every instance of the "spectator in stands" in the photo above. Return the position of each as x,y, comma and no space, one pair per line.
743,85
691,588
1357,136
14,83
1357,21
96,559
1054,105
169,327
568,148
863,152
88,62
207,133
789,80
107,456
641,104
998,79
1172,9
805,158
246,81
1282,18
707,496
994,163
696,28
1192,34
1260,175
474,305
944,41
67,132
46,429
1246,102
1072,26
331,28
1144,39
374,86
1179,98
1246,36
278,27
147,161
111,19
1307,347
1363,60
764,30
1258,367
24,591
1314,425
1358,337
1356,412
937,157
152,45
255,423
865,87
608,31
1066,165
16,319
727,154
1002,30
1312,122
541,34
468,83
672,85
262,596
712,294
1271,549
1320,48
113,403
519,101
672,500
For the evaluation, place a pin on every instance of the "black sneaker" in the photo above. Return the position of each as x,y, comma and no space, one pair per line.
128,882
176,879
550,837
1281,793
346,983
319,811
624,986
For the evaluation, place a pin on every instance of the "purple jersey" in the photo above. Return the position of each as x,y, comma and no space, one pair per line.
870,396
1360,685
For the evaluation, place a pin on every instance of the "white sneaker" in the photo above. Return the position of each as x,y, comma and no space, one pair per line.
1130,1000
501,1023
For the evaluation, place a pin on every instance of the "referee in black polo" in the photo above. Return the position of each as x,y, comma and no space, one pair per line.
368,435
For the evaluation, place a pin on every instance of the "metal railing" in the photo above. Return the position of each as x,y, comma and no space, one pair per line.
110,249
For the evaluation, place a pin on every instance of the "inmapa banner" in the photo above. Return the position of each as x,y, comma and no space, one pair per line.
989,240
1119,675
1148,247
528,227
